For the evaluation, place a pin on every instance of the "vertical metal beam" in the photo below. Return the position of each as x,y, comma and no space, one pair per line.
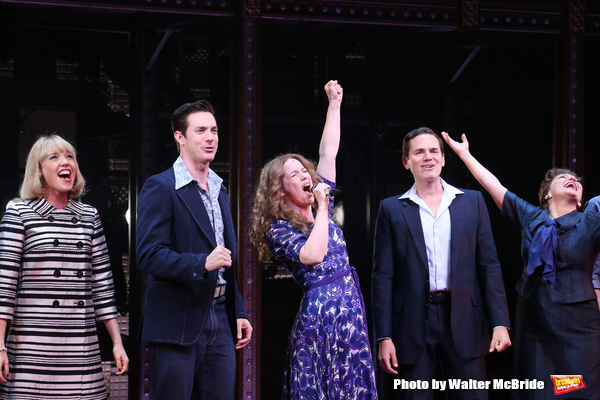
141,167
569,84
575,84
245,165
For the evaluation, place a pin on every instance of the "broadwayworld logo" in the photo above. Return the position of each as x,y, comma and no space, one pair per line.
567,383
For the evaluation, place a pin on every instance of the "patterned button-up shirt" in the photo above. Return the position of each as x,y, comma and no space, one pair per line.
210,199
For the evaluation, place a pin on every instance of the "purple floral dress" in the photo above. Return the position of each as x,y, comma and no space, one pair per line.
328,354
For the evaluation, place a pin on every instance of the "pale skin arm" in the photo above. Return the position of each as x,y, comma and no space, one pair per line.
500,340
3,356
330,140
119,354
314,250
244,333
387,356
479,172
597,296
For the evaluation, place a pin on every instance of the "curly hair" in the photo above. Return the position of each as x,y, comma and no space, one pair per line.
269,205
547,182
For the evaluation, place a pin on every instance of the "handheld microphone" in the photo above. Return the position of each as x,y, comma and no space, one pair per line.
331,192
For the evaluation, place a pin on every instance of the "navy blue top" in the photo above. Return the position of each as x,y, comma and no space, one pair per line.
578,237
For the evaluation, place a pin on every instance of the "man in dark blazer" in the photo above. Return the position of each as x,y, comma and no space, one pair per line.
437,282
194,318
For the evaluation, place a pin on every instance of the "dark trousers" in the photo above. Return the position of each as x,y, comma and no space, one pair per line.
440,361
202,371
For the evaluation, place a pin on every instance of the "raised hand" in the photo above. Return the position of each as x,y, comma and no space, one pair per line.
334,91
460,148
483,176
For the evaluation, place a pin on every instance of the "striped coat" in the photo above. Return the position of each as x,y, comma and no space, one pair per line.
55,282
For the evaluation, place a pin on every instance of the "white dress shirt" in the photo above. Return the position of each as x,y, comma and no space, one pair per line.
436,232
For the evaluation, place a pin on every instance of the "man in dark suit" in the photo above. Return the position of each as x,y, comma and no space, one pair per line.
437,282
194,318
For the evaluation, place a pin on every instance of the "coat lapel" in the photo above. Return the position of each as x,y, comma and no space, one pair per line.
229,229
457,217
193,202
415,229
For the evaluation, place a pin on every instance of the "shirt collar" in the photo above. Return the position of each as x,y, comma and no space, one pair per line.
564,223
449,191
43,207
183,177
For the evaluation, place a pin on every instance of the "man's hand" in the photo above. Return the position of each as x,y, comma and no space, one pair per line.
500,340
387,356
219,258
244,333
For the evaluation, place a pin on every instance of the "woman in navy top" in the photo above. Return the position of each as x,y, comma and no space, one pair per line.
557,320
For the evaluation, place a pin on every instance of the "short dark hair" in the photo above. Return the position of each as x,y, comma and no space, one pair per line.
547,181
416,132
179,120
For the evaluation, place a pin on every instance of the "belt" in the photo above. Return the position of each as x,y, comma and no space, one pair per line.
439,297
220,290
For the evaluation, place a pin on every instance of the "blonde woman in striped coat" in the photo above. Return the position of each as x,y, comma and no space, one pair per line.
55,282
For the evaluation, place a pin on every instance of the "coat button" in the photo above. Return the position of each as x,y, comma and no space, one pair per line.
57,273
79,274
55,303
79,245
51,218
74,220
80,303
56,242
195,275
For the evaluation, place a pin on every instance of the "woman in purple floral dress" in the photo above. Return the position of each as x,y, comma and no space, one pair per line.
328,353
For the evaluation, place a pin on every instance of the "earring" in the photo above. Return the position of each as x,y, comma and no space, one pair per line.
578,204
548,196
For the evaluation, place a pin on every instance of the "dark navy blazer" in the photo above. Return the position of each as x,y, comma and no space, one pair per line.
174,237
401,277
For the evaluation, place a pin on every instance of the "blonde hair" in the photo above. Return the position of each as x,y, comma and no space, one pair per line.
269,205
33,182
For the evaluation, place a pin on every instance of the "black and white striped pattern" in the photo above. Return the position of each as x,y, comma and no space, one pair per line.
55,281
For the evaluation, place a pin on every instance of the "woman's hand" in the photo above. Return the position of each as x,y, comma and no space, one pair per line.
461,149
121,359
330,140
483,176
3,366
320,192
334,91
119,354
314,250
